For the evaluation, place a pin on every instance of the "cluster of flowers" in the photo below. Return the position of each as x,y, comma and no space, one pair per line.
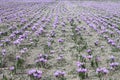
82,71
102,71
35,74
59,74
41,59
113,65
104,27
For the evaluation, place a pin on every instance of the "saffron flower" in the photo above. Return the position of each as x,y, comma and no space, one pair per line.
59,73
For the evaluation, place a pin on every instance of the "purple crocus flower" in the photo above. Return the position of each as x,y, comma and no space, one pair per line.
89,56
82,70
56,74
102,47
17,42
34,28
79,64
60,40
52,52
39,71
114,64
30,72
59,73
35,74
102,70
43,60
113,44
110,41
112,58
105,71
22,51
59,58
97,58
12,68
3,52
96,42
17,57
39,76
98,70
89,51
49,44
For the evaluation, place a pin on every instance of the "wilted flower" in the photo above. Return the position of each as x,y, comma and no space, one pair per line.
96,42
52,33
112,58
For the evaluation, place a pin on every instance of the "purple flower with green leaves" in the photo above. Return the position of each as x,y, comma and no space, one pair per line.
59,73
